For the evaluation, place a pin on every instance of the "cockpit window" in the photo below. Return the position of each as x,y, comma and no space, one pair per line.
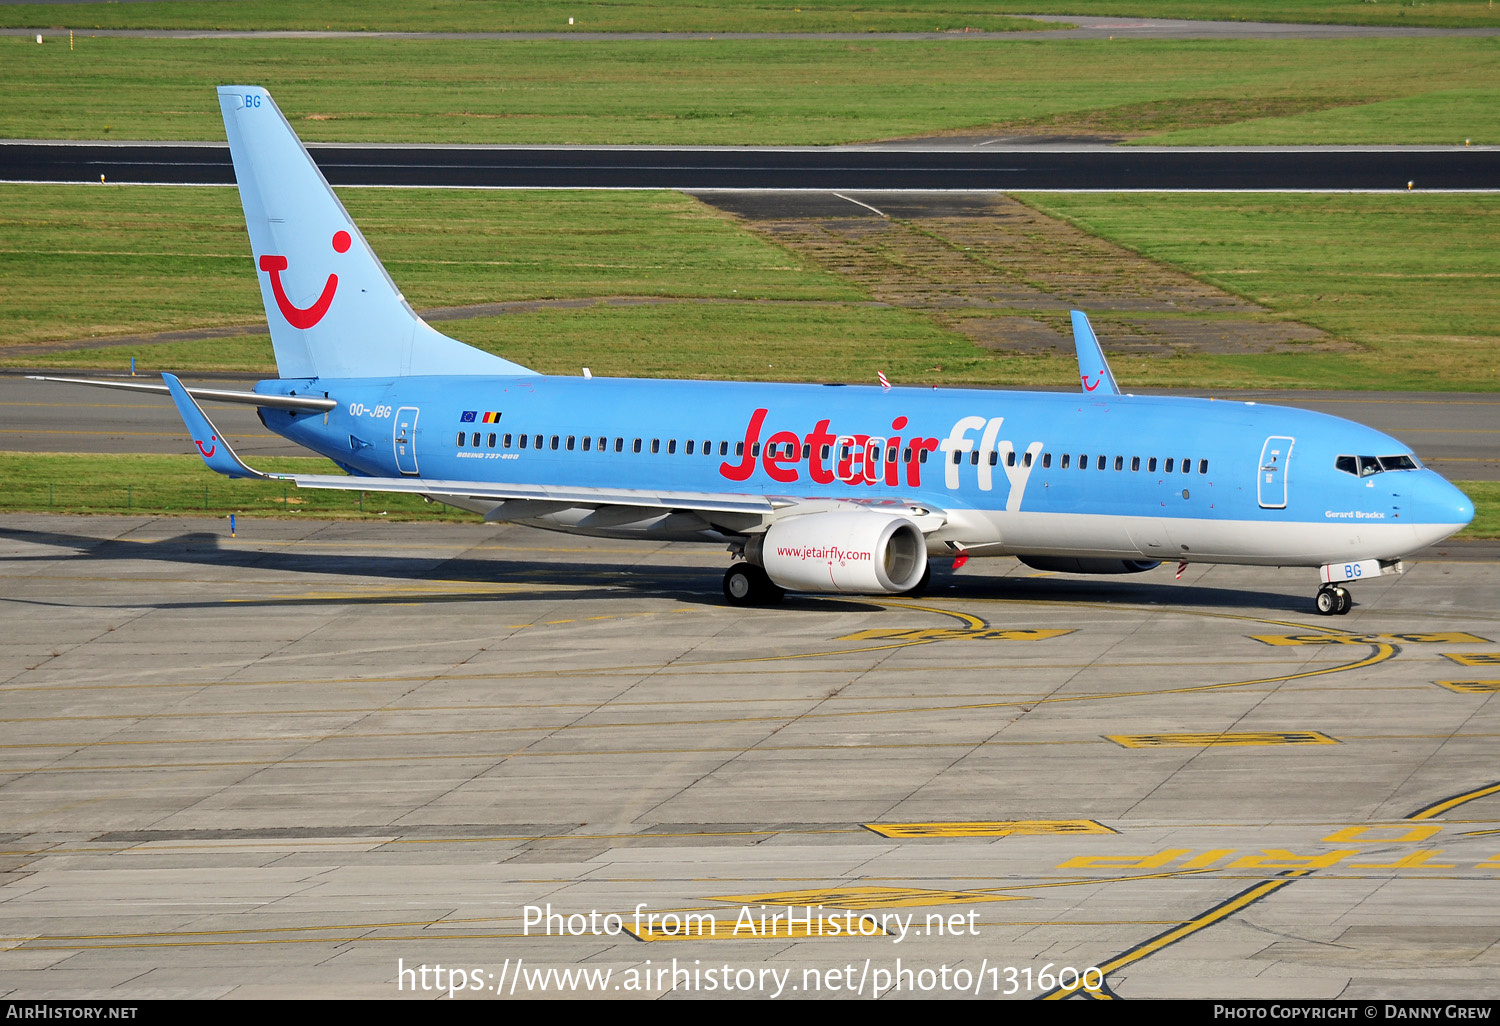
1364,466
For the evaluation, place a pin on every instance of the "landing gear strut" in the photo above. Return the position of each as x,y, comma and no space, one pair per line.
1333,600
746,584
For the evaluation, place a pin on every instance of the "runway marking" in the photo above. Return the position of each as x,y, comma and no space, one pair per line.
1443,805
860,899
1236,903
954,634
1474,658
1238,739
1470,687
999,828
1436,638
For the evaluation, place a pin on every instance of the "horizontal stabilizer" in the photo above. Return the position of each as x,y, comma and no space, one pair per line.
214,395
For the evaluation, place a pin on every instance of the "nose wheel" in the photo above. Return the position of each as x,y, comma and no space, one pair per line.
746,584
1333,600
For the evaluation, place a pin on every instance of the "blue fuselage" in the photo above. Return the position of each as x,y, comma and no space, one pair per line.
1141,471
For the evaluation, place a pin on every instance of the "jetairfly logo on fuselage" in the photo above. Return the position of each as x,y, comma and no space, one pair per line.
865,459
296,316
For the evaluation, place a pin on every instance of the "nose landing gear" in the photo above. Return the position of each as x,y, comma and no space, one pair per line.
1333,600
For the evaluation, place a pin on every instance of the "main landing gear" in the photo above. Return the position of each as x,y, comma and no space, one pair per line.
746,584
1333,600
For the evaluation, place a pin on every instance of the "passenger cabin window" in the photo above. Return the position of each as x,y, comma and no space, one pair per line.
1099,464
1046,461
1151,465
588,441
476,440
1168,465
1203,466
491,440
1119,462
619,445
636,446
1135,463
1065,461
524,439
570,443
460,439
656,445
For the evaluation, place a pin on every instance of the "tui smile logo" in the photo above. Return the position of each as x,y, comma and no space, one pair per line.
213,445
296,316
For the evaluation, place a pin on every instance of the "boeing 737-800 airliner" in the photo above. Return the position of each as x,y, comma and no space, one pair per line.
816,488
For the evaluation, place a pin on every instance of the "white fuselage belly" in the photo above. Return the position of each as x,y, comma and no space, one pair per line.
1092,535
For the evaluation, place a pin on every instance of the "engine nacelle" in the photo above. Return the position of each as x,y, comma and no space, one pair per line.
851,552
1074,565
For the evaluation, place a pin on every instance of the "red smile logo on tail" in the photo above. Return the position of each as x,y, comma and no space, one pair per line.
296,316
213,445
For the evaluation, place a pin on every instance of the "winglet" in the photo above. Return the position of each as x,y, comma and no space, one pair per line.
212,446
1093,369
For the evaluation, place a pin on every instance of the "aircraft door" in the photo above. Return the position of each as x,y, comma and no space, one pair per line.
1270,482
404,439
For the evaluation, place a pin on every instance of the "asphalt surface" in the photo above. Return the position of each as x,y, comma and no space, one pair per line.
296,762
821,169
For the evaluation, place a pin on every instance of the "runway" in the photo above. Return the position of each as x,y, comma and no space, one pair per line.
312,759
958,165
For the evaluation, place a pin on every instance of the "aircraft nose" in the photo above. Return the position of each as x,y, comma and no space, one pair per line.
1444,505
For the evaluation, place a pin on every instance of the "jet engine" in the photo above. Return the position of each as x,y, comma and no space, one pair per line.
850,552
1074,565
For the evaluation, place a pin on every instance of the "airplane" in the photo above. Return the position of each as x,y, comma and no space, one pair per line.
822,488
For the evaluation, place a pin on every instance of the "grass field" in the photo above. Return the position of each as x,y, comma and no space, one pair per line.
1427,90
1409,278
721,16
77,261
182,486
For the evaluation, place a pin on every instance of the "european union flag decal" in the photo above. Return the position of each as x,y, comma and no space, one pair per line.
468,417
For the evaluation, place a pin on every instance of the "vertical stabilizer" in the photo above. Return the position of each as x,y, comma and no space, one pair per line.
1093,369
332,309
